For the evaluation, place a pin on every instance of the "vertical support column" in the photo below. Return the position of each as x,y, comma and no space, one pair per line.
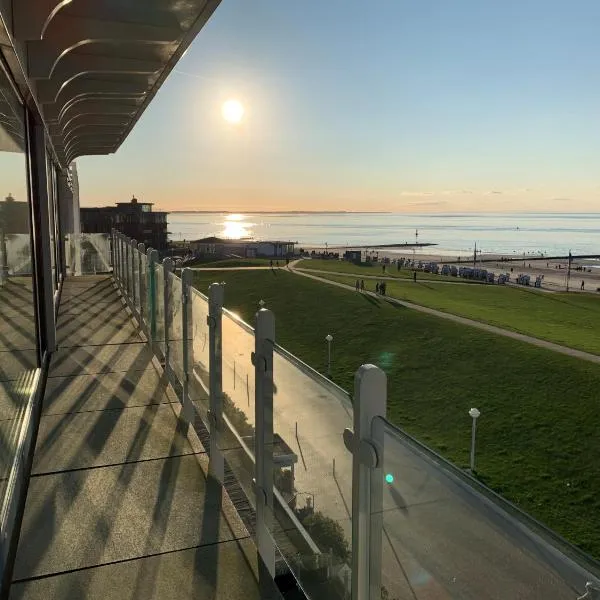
134,278
370,396
262,358
216,294
141,278
187,336
41,231
168,309
151,260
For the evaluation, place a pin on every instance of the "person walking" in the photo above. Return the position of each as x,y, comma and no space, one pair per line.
582,284
382,288
357,285
415,275
362,285
377,287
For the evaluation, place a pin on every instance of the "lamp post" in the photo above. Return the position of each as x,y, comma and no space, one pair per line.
474,414
329,339
261,303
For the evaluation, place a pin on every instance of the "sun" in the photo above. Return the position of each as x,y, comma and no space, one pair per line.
233,111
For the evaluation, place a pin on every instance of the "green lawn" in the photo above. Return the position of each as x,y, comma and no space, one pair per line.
538,441
569,319
235,263
343,266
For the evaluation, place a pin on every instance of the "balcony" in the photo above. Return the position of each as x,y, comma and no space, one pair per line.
182,453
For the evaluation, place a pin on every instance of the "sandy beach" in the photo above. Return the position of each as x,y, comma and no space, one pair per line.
553,271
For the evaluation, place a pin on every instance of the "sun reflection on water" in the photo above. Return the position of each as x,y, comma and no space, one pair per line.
234,228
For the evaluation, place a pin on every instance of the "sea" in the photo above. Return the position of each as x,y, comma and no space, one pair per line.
553,234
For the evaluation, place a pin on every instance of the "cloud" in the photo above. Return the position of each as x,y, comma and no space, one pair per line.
493,192
415,194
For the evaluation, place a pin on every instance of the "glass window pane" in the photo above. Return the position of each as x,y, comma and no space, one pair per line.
18,338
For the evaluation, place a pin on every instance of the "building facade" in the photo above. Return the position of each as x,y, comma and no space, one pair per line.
223,248
134,219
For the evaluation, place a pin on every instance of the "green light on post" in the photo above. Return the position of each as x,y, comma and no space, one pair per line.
389,478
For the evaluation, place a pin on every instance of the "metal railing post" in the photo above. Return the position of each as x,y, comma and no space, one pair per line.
262,358
141,291
151,260
370,396
216,293
186,339
168,309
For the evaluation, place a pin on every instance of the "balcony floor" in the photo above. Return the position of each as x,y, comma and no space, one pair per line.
119,504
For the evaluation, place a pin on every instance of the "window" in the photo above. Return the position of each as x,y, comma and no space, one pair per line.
18,332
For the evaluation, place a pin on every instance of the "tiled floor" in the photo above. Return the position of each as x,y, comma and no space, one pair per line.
119,504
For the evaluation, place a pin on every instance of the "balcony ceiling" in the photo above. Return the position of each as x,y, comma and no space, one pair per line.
94,65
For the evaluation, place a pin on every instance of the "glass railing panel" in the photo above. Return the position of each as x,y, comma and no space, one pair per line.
313,476
159,300
199,379
238,376
175,330
88,253
135,269
144,305
444,536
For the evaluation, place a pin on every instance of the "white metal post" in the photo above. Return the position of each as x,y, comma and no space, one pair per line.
141,288
370,394
216,293
187,331
168,308
262,359
474,414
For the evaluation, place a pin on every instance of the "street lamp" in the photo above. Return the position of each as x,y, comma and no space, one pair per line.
329,339
261,303
474,414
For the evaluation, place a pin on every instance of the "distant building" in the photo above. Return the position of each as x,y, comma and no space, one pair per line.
222,248
134,219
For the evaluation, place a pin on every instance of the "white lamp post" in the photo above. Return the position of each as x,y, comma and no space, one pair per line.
474,414
329,339
261,303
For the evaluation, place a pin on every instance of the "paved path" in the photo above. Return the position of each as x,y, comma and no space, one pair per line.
119,505
465,321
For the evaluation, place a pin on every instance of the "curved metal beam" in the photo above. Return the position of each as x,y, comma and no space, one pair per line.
68,33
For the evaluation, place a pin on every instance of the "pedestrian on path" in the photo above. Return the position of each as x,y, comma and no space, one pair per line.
377,287
382,288
582,284
415,276
362,285
357,285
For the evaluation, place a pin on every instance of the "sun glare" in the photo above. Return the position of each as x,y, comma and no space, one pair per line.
233,111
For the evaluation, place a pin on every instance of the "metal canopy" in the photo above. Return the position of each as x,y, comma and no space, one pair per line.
94,65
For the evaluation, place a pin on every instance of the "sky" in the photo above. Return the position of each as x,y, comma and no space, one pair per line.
391,105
